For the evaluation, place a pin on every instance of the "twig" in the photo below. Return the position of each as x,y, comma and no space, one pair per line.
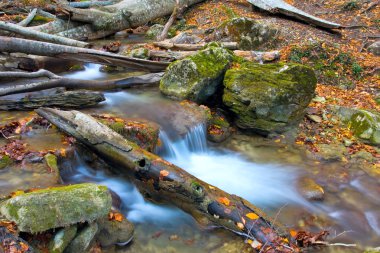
29,18
372,5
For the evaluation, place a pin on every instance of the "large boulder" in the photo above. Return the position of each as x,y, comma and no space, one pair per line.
56,207
197,77
250,34
268,98
366,125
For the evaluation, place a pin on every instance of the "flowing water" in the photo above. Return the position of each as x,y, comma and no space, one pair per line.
266,175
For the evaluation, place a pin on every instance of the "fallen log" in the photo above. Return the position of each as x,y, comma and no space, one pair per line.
32,34
66,99
54,81
13,45
88,4
164,181
191,47
280,6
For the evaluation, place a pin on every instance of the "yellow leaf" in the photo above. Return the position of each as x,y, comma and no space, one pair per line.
252,216
211,187
223,200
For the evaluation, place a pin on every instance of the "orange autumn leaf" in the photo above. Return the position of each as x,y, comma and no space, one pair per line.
118,217
293,233
252,216
223,200
164,173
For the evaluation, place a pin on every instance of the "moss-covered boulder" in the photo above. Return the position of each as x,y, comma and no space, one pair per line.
45,209
197,77
141,53
268,98
218,127
366,125
250,34
113,232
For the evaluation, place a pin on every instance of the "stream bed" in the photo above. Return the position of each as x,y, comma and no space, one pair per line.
264,173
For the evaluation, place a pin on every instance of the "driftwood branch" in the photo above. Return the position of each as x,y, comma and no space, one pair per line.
191,47
164,181
29,18
12,45
30,85
280,6
177,11
32,34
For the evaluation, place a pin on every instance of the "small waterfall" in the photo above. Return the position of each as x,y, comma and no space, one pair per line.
91,72
193,142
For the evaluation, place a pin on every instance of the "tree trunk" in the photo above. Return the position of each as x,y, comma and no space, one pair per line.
32,34
13,45
22,86
66,99
162,180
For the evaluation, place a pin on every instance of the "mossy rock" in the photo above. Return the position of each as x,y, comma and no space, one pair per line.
197,77
83,240
113,232
62,239
268,98
5,161
141,53
250,34
156,30
218,128
56,207
366,125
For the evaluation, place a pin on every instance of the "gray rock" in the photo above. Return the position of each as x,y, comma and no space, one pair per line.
62,238
366,125
141,53
375,48
45,209
331,152
113,232
185,38
83,240
154,31
197,77
268,98
250,34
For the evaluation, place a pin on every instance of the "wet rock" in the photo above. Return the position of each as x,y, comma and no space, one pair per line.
197,77
121,35
366,125
268,98
330,152
10,243
375,48
218,128
237,246
56,207
62,239
113,232
250,34
51,162
110,69
83,240
310,190
141,53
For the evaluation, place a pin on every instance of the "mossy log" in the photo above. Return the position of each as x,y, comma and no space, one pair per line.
163,181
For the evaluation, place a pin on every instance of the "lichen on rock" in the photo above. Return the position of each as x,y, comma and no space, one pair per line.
45,209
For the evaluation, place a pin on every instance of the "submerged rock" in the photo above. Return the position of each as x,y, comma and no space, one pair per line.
310,189
5,161
114,232
83,240
366,125
197,77
62,238
45,209
268,98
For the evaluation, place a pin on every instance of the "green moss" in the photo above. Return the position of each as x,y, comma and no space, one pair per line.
5,161
268,97
366,125
230,12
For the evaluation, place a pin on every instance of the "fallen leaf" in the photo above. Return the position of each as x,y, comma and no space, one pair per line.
223,200
252,216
